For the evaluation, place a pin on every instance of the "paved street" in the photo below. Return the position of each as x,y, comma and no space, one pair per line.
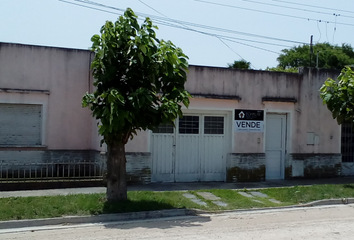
329,222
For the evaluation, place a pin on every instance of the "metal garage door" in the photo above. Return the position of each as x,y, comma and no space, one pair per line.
20,124
193,151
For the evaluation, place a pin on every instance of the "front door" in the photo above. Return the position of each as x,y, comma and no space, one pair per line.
275,145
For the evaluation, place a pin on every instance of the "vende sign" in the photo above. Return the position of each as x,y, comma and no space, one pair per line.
249,120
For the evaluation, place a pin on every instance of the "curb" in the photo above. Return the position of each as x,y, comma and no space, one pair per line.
97,218
329,202
149,215
325,202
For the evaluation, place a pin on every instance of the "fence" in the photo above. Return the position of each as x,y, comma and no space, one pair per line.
66,169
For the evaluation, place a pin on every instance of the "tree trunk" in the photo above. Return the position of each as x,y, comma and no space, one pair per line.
116,172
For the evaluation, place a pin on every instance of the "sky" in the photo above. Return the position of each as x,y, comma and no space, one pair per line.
210,32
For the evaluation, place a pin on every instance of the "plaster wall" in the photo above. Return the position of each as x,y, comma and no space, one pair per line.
306,114
65,74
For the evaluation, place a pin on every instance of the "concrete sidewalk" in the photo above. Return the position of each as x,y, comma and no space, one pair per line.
182,187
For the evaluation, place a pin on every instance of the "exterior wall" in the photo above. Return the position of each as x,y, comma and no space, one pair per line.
245,167
251,86
314,117
65,74
139,168
315,165
347,169
57,78
305,114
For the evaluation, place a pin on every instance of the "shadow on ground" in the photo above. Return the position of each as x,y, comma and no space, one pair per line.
351,186
144,205
161,223
134,206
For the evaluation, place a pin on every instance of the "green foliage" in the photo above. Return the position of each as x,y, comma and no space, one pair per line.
281,69
241,64
339,95
139,79
329,56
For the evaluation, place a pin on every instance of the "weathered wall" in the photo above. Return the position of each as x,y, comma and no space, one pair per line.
295,94
307,114
62,76
57,78
347,169
310,165
314,117
65,74
245,167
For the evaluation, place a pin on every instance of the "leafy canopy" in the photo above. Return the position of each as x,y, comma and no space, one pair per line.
241,64
329,56
280,69
139,79
338,95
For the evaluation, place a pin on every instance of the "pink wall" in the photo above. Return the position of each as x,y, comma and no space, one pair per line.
65,74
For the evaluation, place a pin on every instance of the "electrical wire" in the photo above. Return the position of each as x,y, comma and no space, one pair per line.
228,38
294,8
318,27
313,6
191,24
327,32
273,13
218,37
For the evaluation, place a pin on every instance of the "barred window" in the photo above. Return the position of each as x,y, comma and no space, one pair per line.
189,125
213,125
163,128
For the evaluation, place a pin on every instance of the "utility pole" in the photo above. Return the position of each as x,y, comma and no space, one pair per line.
311,50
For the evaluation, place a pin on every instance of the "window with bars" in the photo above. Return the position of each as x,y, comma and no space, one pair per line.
163,128
213,125
188,125
347,142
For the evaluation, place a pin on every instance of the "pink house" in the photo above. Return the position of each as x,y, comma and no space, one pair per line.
242,125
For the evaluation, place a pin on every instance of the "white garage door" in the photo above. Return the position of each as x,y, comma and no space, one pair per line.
20,124
193,151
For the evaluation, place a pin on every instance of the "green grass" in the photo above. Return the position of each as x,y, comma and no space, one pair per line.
91,204
16,208
305,194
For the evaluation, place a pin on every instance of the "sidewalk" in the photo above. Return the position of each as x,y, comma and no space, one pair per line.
182,186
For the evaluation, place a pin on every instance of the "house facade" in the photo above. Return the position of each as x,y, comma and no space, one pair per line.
241,125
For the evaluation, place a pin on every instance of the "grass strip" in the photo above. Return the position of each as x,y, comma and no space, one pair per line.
305,194
16,208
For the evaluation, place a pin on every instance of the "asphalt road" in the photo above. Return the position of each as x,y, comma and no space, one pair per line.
329,222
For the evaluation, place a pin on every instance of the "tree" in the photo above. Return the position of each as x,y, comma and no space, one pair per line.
338,95
280,69
329,56
139,82
241,64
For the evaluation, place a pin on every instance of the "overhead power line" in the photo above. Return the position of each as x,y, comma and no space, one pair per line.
313,6
272,13
184,22
162,22
218,37
295,8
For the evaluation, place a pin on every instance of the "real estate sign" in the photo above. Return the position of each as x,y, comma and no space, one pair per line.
249,120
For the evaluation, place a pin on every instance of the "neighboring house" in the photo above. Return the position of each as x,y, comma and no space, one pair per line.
242,125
